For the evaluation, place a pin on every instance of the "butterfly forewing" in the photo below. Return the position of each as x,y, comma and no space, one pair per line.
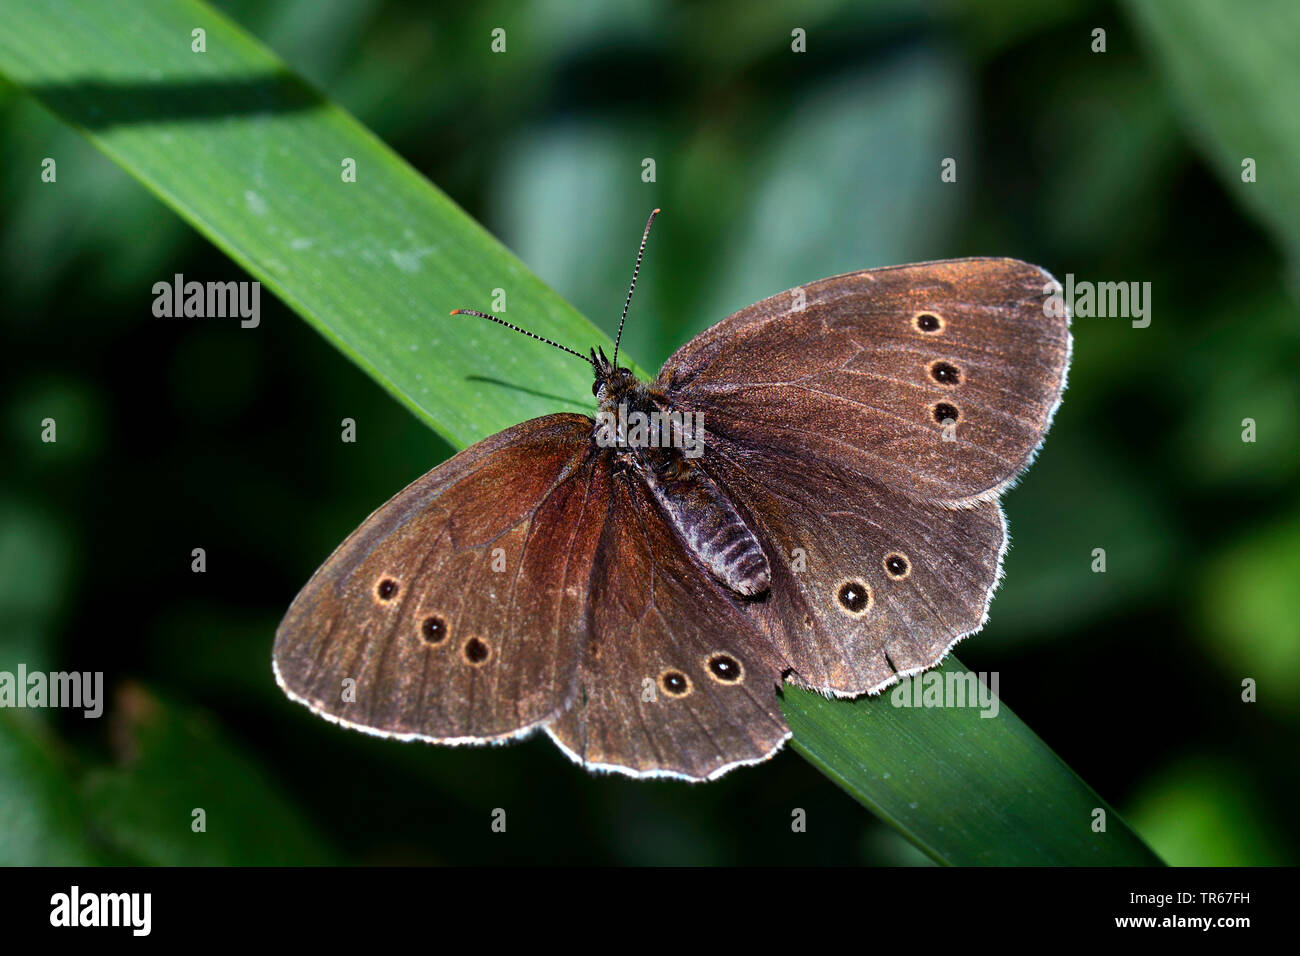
456,611
937,380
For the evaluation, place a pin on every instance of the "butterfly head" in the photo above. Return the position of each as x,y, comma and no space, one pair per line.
612,383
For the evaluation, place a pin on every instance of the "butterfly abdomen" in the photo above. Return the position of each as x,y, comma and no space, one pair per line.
709,525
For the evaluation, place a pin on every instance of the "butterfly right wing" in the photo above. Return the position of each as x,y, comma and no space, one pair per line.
938,380
455,613
923,574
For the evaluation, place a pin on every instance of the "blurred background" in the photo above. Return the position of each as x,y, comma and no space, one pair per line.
773,169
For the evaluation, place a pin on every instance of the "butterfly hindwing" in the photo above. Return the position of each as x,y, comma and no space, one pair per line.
867,584
678,680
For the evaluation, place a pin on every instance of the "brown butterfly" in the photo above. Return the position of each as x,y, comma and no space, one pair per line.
643,601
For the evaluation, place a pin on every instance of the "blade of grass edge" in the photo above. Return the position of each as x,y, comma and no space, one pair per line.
967,784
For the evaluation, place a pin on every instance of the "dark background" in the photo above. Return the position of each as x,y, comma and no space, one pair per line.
774,169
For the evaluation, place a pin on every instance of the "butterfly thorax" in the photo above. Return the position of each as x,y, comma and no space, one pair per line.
665,449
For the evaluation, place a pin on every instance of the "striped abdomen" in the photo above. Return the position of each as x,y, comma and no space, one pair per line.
709,524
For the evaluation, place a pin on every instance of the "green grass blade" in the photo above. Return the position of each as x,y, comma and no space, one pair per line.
252,158
964,787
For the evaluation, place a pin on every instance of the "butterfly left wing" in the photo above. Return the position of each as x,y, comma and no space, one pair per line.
455,613
677,680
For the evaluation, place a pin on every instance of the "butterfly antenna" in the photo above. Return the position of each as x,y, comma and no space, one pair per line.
632,288
531,335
